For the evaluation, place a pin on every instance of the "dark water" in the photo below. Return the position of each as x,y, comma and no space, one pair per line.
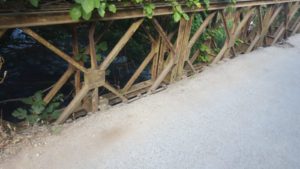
32,67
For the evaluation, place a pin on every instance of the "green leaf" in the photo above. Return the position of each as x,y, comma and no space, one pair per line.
78,57
54,115
75,12
32,119
58,98
34,3
49,109
96,3
38,96
101,12
198,4
37,108
102,46
85,58
86,16
178,9
88,6
28,100
20,113
185,16
207,3
101,9
204,48
148,10
176,17
112,8
99,58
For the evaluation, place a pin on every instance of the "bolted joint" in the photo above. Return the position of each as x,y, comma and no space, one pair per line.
94,78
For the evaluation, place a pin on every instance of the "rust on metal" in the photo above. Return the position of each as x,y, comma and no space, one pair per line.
173,53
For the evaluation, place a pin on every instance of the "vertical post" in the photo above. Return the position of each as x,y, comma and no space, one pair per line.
286,19
266,18
92,46
228,33
94,65
95,99
161,54
180,44
260,21
171,61
183,45
75,46
154,67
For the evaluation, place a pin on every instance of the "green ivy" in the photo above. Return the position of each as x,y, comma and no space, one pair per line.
84,8
37,111
34,3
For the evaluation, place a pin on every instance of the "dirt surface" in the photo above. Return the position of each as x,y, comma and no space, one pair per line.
242,113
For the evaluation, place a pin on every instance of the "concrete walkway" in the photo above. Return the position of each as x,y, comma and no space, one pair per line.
239,114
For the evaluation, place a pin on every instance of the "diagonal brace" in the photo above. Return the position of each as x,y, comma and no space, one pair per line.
54,49
122,42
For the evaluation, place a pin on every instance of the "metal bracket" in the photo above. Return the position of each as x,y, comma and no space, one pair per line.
94,78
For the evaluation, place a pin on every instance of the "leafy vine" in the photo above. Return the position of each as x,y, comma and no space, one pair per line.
83,9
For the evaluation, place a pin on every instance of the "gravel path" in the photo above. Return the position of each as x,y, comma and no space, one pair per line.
239,114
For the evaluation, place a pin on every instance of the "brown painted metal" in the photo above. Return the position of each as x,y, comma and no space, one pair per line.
171,62
59,84
283,28
268,20
296,29
75,46
122,42
175,54
137,73
57,51
94,65
95,76
30,19
75,103
171,57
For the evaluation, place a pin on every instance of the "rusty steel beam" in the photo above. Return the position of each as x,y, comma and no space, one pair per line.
171,68
19,19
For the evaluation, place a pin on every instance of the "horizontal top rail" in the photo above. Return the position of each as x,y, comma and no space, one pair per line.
63,5
59,14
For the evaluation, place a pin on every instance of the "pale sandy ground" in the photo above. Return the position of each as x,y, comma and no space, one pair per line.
244,113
